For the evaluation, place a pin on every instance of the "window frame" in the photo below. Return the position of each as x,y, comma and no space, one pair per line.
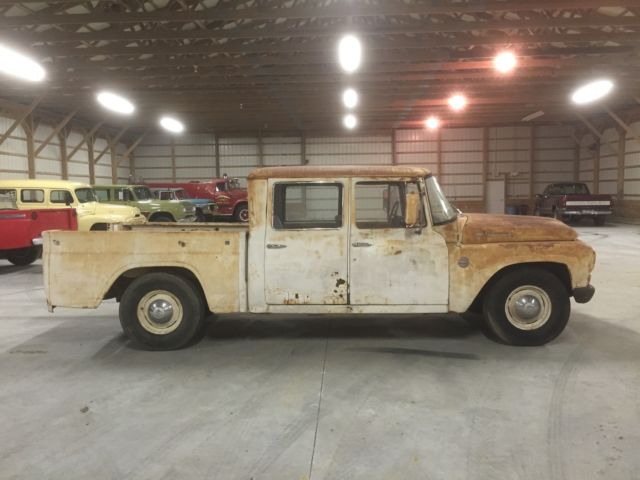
403,206
67,195
342,188
23,190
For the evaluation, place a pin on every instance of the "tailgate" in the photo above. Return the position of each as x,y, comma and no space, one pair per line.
80,267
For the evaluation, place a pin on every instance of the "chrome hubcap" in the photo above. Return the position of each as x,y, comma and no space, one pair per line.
160,312
528,307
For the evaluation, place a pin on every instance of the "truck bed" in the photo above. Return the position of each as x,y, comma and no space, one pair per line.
87,265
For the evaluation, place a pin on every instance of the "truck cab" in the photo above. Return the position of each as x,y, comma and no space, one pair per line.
141,197
331,240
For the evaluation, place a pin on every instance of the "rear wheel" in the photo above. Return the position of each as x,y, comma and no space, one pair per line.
24,256
527,307
162,311
599,220
241,213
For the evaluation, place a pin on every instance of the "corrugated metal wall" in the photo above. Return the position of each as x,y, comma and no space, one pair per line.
48,163
455,155
632,166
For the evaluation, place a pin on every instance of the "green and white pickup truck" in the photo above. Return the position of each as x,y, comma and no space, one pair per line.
330,240
140,196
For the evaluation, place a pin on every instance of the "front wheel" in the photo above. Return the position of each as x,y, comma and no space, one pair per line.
162,311
24,256
527,307
241,213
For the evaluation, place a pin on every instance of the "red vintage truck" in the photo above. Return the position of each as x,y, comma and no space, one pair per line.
230,199
21,230
572,201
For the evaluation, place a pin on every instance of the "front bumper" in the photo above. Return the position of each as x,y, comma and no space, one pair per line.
187,219
583,294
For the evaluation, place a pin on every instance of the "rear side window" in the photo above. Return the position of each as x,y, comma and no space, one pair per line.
103,195
307,205
60,196
32,196
122,194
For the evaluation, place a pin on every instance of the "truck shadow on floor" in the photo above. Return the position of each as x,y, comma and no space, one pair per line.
230,327
7,268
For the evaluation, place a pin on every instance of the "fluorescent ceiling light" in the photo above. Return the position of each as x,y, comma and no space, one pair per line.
432,123
533,116
172,125
115,103
349,53
505,62
350,121
457,102
20,66
592,91
350,98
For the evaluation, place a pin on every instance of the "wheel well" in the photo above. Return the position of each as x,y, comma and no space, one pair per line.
560,270
123,281
240,204
157,214
99,227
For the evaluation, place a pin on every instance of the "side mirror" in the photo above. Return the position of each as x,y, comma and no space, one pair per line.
412,210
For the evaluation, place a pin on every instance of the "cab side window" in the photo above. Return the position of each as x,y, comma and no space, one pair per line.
32,196
61,196
103,195
382,204
307,205
122,195
221,187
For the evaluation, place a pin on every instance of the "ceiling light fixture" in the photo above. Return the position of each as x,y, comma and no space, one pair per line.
505,62
350,98
350,121
592,91
457,102
349,53
20,66
172,125
115,103
432,123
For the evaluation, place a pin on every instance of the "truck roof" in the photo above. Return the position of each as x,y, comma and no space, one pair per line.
331,171
41,183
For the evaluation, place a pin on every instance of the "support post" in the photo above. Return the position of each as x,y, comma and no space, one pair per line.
485,164
303,149
623,124
394,151
439,149
217,151
576,161
92,163
114,162
596,168
260,150
21,119
58,128
64,161
532,159
31,157
132,164
622,149
173,160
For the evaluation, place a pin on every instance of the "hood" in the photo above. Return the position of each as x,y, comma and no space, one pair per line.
484,228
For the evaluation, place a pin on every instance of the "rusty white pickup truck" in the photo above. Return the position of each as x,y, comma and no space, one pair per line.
329,240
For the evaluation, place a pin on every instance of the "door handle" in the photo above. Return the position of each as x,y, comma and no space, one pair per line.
361,244
275,246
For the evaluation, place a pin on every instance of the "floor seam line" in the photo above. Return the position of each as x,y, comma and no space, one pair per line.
324,365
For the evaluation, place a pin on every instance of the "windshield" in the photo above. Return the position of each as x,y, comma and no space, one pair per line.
181,195
142,193
441,209
569,189
86,195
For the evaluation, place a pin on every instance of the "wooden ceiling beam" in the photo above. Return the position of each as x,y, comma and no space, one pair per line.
338,10
424,28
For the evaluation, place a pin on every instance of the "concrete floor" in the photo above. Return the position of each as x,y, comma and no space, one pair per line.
324,398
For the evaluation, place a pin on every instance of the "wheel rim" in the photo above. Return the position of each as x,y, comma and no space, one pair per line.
159,312
528,307
244,215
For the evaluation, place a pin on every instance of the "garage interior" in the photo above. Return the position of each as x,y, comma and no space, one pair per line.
258,83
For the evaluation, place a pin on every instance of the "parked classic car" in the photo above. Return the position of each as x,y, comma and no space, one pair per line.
92,215
21,230
571,201
205,209
231,200
141,197
323,240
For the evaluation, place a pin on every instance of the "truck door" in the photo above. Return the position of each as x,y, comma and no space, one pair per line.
390,263
306,244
